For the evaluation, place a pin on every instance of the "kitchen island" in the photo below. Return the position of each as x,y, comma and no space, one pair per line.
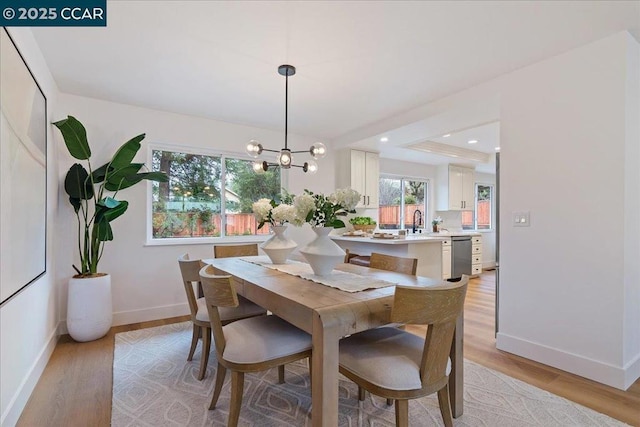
427,250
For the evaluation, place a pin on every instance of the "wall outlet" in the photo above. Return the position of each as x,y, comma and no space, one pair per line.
521,219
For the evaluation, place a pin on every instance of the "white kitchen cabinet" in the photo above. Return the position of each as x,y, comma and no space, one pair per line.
446,259
456,188
360,170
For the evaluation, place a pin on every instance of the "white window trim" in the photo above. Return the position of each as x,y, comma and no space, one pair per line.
475,210
151,241
403,178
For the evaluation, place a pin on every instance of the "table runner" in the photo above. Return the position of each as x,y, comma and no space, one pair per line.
348,282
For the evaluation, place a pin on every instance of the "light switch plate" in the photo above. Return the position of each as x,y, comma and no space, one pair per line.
521,219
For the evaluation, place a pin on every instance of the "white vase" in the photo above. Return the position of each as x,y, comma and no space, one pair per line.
279,246
89,310
323,254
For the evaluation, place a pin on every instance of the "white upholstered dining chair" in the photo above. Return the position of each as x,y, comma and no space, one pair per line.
248,249
399,365
200,316
246,345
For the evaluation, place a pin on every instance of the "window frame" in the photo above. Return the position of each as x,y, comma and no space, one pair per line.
427,203
475,209
199,151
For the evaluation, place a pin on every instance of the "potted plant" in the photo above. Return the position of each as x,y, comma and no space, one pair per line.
92,194
435,224
322,212
363,223
278,247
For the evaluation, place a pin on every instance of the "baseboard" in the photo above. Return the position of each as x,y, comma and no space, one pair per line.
147,314
592,369
21,397
632,372
137,316
490,265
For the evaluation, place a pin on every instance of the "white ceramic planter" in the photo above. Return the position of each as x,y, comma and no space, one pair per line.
89,309
279,246
323,254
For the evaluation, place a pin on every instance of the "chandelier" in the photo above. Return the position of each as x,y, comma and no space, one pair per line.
284,157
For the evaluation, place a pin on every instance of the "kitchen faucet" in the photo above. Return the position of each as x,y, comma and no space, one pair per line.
417,211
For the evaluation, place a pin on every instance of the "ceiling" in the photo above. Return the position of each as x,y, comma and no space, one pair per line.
358,63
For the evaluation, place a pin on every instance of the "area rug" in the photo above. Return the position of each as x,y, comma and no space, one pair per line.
154,385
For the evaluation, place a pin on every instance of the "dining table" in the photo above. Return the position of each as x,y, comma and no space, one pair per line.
328,314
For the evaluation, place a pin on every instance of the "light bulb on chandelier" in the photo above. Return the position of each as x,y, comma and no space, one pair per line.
284,156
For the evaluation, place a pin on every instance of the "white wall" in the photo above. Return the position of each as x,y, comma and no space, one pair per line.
146,281
29,321
631,334
566,125
570,283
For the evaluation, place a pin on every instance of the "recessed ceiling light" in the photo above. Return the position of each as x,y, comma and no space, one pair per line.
472,141
384,139
446,135
497,148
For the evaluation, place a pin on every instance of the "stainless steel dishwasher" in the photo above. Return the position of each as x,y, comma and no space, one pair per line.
460,256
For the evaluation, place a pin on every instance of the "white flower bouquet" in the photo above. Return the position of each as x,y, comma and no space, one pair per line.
323,211
270,212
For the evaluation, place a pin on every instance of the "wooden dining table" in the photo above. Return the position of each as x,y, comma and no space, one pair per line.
329,314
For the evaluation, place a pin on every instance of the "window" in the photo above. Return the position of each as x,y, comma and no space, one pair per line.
207,195
399,199
480,217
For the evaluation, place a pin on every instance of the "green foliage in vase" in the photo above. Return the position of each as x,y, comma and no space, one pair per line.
88,190
362,220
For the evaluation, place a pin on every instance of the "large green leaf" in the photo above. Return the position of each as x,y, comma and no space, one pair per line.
110,209
76,203
127,181
102,230
99,174
125,154
75,137
154,176
77,183
123,177
114,213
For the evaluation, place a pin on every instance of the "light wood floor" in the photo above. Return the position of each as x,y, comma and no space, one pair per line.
75,388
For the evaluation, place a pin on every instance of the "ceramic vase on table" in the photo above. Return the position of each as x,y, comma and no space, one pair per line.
89,312
278,247
322,253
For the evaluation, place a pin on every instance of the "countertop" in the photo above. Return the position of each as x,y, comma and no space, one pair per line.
452,233
406,241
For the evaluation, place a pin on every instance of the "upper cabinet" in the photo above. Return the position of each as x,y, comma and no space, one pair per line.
456,188
360,170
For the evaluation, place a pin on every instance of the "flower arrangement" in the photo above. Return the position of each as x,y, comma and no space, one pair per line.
323,211
270,212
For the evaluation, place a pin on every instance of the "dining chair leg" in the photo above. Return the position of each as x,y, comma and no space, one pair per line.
220,374
402,413
194,341
389,402
310,372
237,385
445,405
361,393
281,374
206,346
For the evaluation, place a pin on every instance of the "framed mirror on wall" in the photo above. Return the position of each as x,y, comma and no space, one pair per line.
23,173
